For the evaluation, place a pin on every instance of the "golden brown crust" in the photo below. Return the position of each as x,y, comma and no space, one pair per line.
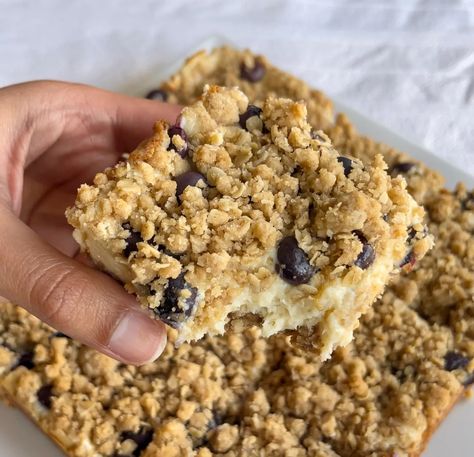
11,402
433,427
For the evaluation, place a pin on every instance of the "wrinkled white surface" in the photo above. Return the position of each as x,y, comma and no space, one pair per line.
408,64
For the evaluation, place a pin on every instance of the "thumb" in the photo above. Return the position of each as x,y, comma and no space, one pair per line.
79,301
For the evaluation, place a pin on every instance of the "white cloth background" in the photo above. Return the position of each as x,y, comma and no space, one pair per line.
407,64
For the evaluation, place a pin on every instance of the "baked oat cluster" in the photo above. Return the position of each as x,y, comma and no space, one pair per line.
244,212
240,394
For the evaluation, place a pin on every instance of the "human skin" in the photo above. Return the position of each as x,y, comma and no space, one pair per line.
55,136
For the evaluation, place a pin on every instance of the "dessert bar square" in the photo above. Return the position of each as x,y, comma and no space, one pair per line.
245,212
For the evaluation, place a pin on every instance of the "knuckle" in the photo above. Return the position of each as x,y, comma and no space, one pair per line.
57,291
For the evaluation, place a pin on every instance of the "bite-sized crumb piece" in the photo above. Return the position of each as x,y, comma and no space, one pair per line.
242,212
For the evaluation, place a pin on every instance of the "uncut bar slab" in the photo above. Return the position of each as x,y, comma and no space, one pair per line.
239,394
246,211
252,73
242,394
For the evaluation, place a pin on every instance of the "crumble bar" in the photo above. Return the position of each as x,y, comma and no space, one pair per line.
241,211
240,394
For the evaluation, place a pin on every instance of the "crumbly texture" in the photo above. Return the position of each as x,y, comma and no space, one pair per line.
277,225
223,66
423,183
253,74
244,395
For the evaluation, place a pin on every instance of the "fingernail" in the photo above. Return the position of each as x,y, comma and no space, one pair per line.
137,338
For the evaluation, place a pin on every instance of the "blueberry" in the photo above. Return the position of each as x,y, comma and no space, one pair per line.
44,395
216,420
454,360
252,111
411,234
142,439
367,255
170,310
60,335
175,255
26,360
402,167
165,250
133,239
346,164
176,130
157,94
292,262
408,262
190,178
253,74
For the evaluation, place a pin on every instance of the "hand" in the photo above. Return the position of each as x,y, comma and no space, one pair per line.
55,136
